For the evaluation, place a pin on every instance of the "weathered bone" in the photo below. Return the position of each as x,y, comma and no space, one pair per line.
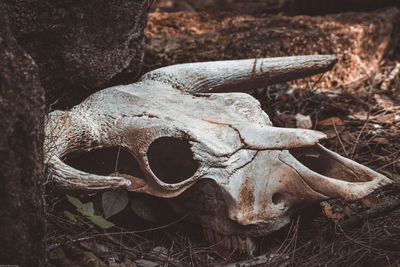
239,75
243,176
231,75
62,139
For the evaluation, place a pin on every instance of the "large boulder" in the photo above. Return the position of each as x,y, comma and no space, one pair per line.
80,46
21,155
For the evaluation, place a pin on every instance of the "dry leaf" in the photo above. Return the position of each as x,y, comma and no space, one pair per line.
330,213
371,201
113,202
303,121
381,140
143,209
330,121
330,133
362,116
383,119
146,263
384,101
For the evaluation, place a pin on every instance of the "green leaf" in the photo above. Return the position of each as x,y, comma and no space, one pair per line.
74,201
142,209
70,216
113,202
100,222
86,209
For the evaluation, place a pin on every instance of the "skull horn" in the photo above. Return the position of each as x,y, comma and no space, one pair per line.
239,75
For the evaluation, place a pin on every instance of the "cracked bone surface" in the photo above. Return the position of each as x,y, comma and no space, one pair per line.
186,132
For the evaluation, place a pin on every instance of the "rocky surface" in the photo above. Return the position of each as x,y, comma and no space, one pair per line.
80,46
21,155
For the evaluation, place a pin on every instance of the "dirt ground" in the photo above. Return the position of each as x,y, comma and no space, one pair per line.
362,121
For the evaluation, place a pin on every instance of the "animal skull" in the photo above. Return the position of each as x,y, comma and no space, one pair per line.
217,153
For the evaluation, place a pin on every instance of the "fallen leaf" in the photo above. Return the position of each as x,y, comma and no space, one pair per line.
362,116
303,121
86,209
384,101
330,133
70,216
385,119
142,209
381,140
74,201
330,213
113,202
371,201
146,263
330,121
101,222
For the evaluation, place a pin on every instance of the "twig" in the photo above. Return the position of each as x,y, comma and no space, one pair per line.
357,242
138,231
365,124
340,139
388,164
295,239
116,161
387,206
317,81
260,261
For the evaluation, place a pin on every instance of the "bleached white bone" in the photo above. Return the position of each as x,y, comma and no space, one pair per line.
239,75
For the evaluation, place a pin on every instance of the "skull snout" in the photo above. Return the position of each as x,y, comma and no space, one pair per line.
332,175
269,192
277,183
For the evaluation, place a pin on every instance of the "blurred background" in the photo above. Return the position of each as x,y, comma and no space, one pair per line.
289,7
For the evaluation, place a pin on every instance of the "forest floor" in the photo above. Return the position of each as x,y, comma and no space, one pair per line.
364,126
362,122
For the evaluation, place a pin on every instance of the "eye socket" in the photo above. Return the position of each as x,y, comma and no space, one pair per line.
171,159
103,161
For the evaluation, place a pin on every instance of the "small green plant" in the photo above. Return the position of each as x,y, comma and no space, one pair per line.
87,210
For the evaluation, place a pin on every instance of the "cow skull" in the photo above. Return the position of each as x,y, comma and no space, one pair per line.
216,153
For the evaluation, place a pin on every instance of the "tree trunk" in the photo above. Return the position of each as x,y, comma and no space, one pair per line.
22,222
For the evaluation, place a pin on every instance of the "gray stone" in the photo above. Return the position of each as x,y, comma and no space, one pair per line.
21,154
80,46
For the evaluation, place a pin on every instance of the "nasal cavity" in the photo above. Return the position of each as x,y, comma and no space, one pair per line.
171,159
105,161
322,163
277,198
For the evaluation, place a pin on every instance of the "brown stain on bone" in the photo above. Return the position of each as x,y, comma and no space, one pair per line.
246,196
254,66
